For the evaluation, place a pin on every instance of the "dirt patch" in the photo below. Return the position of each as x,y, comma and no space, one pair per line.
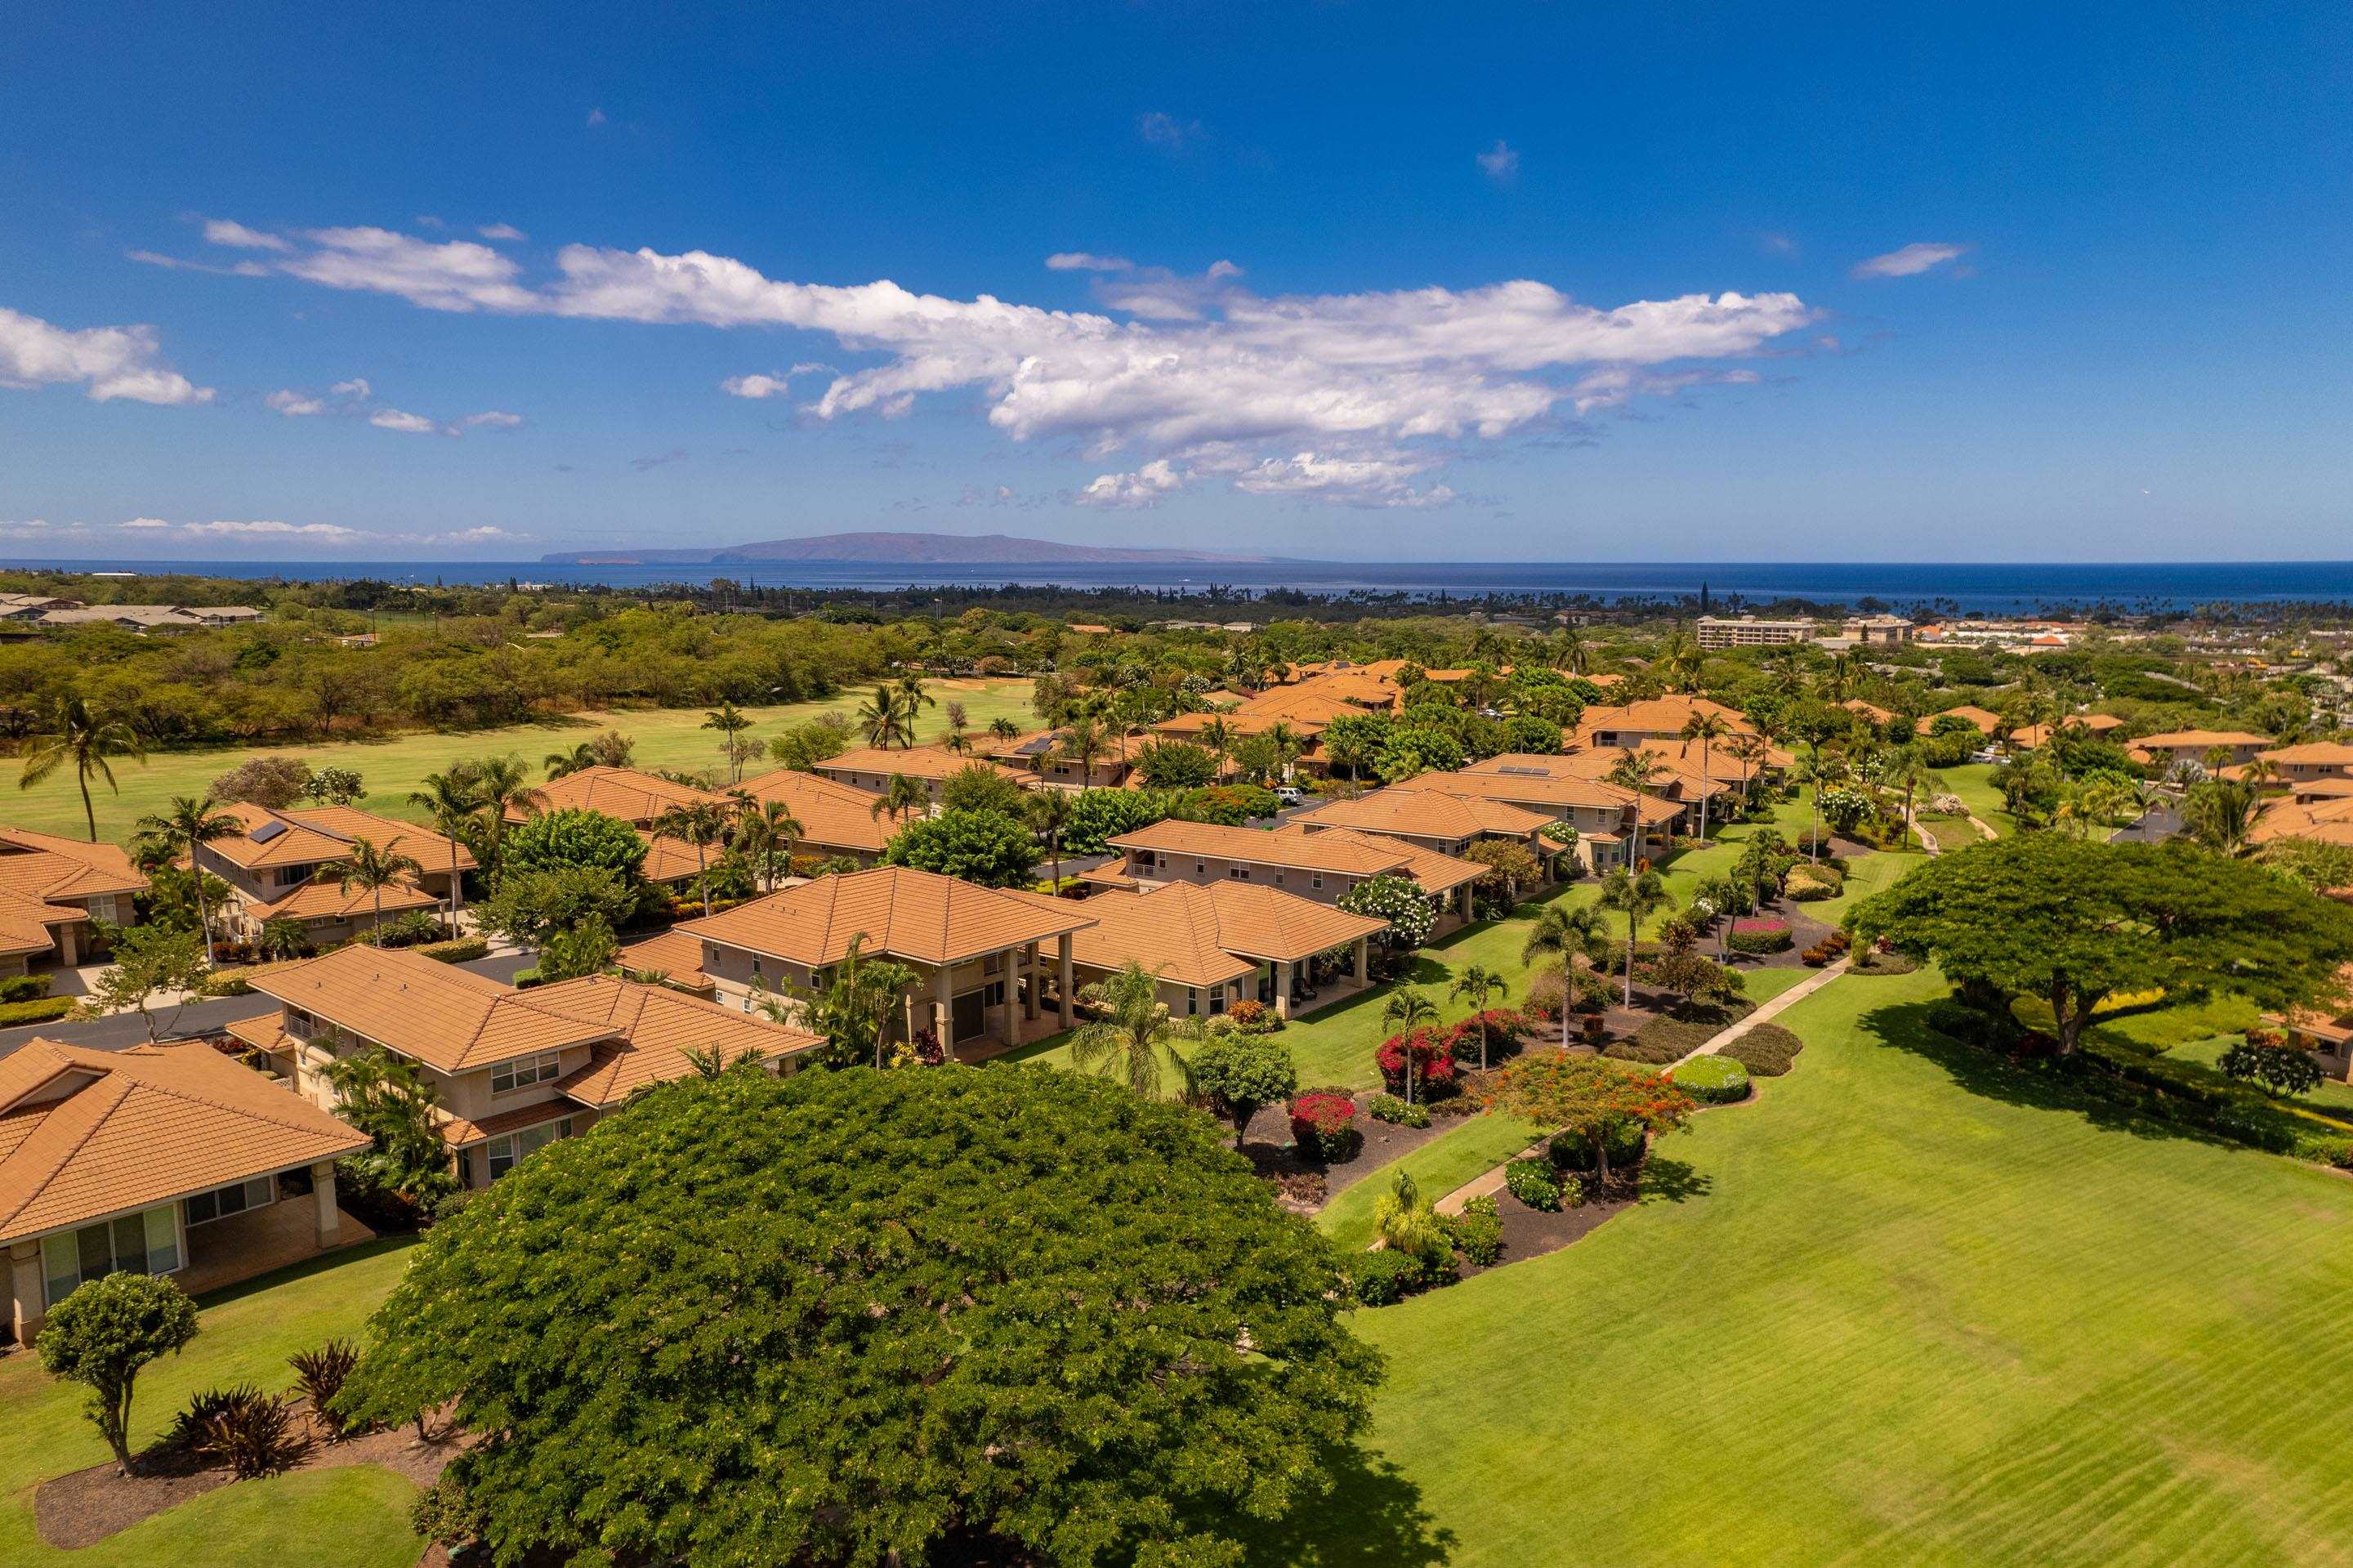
86,1506
1268,1146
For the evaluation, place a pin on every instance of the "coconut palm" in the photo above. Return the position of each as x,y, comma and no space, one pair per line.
1407,1011
1638,894
913,699
731,722
192,821
1082,742
1570,932
883,718
449,799
502,784
2221,814
1707,728
1049,812
1218,736
902,795
1478,984
372,869
702,824
1132,1030
1003,728
766,831
72,732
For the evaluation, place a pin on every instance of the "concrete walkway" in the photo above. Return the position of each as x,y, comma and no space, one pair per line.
1766,1013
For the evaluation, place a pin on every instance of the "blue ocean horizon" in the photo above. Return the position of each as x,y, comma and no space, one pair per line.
1959,587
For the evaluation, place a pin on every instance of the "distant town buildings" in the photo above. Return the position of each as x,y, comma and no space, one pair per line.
1747,631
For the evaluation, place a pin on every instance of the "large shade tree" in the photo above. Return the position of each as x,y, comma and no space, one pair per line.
2076,922
865,1316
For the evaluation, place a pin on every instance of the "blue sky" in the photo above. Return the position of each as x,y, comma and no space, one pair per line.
1336,279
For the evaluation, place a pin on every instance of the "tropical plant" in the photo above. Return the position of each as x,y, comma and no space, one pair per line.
1406,1012
1571,932
732,722
449,799
1404,1221
1593,1100
1243,1072
1707,727
391,1100
191,822
985,847
73,734
103,1333
850,1005
1050,813
1477,984
1132,1032
885,717
901,798
370,869
1637,895
766,832
502,785
702,823
1398,900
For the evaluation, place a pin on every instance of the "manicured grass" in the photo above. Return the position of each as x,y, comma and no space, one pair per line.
1973,782
1471,1149
392,767
356,1517
1968,1323
1763,985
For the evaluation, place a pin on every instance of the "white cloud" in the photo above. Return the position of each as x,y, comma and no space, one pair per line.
146,522
1909,261
481,536
500,231
295,405
304,530
596,117
1373,480
1499,162
358,387
407,424
453,275
108,362
1617,385
756,385
227,231
1086,262
1144,487
492,420
1168,132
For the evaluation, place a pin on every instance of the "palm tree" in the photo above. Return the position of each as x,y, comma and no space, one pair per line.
502,784
1132,1030
767,831
1003,728
2221,813
902,795
1903,769
1082,744
373,870
1050,811
731,722
73,732
191,822
610,748
1219,737
1639,894
700,823
883,718
1286,743
1750,749
1409,1010
1679,661
450,799
1476,984
914,700
1706,728
1569,931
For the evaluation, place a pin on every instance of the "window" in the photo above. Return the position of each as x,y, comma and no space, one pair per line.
509,1076
144,1242
234,1199
1200,868
504,1154
1316,880
1192,1000
1238,873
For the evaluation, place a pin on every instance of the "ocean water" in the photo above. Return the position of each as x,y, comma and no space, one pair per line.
1992,588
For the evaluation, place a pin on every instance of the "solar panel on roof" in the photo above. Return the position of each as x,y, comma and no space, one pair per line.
267,831
1522,772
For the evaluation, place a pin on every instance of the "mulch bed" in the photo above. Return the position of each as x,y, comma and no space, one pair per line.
88,1506
1532,1233
1268,1146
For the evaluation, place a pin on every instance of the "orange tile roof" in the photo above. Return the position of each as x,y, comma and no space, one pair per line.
1661,716
674,955
2179,738
630,793
1677,764
1871,711
916,762
1986,721
85,1134
834,817
331,900
903,913
25,923
2323,821
2324,753
44,865
1425,813
659,1027
1528,789
424,845
282,841
1327,851
461,1132
450,1019
673,860
1207,936
1436,873
1026,751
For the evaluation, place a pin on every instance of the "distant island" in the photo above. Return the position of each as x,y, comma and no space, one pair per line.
911,548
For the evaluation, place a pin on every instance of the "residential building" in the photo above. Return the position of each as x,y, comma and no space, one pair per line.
1748,631
1041,754
2196,745
1985,721
1319,864
54,893
2096,725
2326,1030
512,1069
979,954
837,819
66,615
2319,815
1650,722
1450,824
169,1159
1877,629
2309,763
1449,882
1614,826
871,768
287,866
630,794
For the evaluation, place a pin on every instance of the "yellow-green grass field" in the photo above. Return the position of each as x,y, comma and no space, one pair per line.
398,763
1906,1306
1468,1150
355,1517
1973,782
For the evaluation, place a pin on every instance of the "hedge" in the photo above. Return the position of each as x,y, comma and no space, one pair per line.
1383,1276
24,988
1531,1183
1767,1051
463,949
1711,1080
41,1010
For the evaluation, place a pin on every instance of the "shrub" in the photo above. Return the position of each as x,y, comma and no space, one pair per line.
1972,1025
225,982
1384,1277
1758,935
319,1376
1506,1029
44,1010
413,930
1767,1051
1433,1064
1806,890
1323,1125
1627,1141
443,1513
1398,900
24,988
1389,1108
1253,1017
258,1438
1531,1183
526,978
1477,1232
1712,1080
188,1426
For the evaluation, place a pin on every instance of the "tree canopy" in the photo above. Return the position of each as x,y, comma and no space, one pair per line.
556,840
985,847
848,1314
2076,921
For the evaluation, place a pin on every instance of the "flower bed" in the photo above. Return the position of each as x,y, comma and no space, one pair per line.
1758,935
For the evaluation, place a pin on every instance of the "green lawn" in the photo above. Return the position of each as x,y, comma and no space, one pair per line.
1470,1149
1973,782
352,1518
666,737
1904,1308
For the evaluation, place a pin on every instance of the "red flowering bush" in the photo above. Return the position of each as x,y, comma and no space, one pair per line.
1323,1125
1433,1062
1506,1029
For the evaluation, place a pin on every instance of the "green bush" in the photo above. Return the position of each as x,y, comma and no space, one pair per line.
225,982
1384,1277
525,979
1767,1051
1531,1183
1804,892
1477,1232
24,988
1389,1108
46,1009
1711,1080
1626,1144
465,949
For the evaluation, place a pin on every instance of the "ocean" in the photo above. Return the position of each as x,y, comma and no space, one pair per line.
1957,587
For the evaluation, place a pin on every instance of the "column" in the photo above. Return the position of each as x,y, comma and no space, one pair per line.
1034,974
907,1003
1283,988
1008,1027
943,1009
25,1285
67,954
323,1196
1364,960
1062,954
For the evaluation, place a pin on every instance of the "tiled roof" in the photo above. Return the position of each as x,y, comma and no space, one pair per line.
834,817
25,923
1207,936
447,1018
1425,813
1677,764
272,839
424,845
44,865
631,794
1436,873
1526,790
1026,751
2326,753
331,900
2177,738
673,860
914,761
1661,715
141,1127
674,954
659,1027
1325,851
2324,821
1986,721
1871,711
461,1132
902,912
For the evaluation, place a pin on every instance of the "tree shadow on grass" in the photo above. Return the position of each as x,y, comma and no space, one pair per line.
1372,1518
1674,1180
